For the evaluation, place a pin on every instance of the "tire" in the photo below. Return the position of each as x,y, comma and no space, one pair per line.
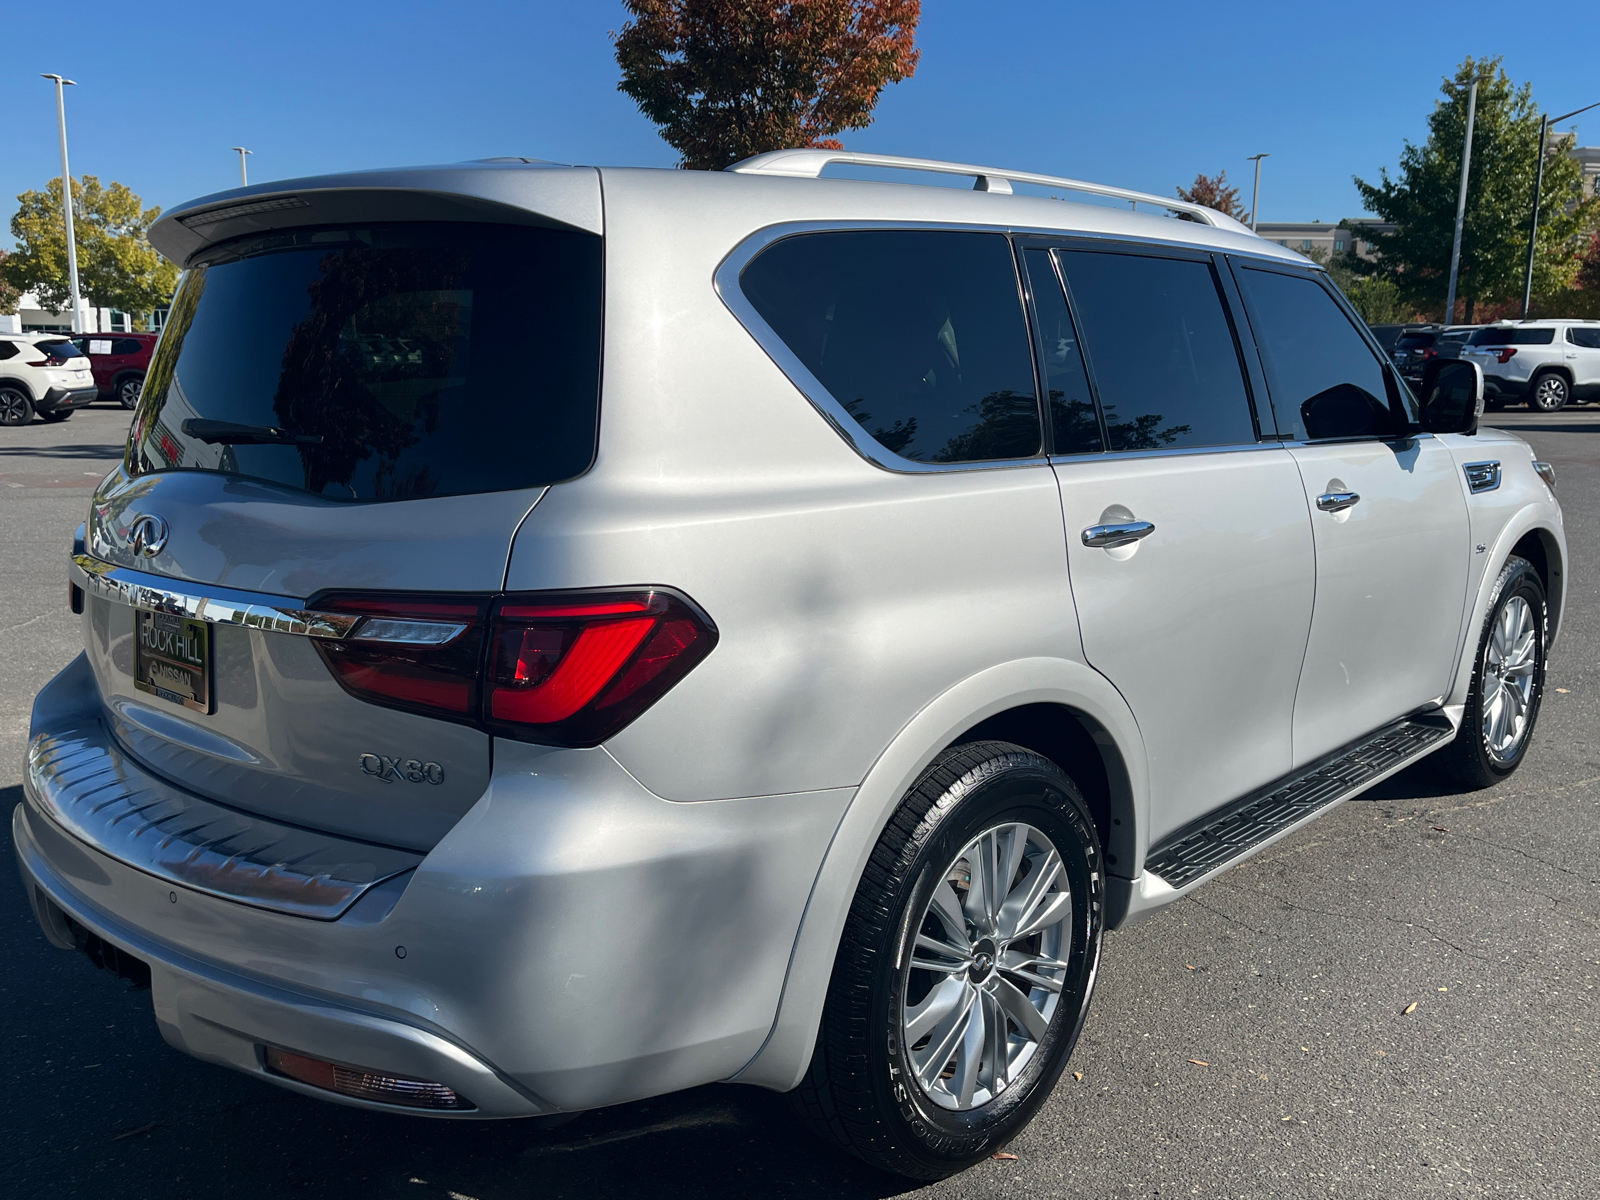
15,406
1549,392
1514,633
877,1084
55,418
128,389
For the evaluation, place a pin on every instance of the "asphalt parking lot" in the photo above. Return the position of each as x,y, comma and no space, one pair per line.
1398,1001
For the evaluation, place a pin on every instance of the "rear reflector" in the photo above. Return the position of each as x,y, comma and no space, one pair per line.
362,1084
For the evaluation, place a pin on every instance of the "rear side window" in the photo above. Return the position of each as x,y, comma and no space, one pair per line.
1510,335
126,346
1324,378
1589,338
1161,350
382,363
920,336
7,350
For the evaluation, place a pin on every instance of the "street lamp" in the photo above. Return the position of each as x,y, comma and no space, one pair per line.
1538,182
66,197
1255,195
244,178
1461,205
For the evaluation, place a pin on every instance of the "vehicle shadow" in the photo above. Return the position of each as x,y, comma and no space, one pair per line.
1419,781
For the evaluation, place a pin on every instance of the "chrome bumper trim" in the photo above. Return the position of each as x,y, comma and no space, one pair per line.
220,606
81,780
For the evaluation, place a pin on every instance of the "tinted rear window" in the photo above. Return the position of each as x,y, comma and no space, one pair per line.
1509,336
919,336
1415,341
1589,338
400,361
60,348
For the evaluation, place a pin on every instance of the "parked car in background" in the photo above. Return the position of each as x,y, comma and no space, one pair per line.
119,362
1387,335
1546,363
43,374
1413,348
932,580
1453,340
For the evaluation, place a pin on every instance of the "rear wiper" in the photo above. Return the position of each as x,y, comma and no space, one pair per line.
226,433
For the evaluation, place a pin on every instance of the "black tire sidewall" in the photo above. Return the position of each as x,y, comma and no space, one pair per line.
1030,790
121,386
27,408
1519,580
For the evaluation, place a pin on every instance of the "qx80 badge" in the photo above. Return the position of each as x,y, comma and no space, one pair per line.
401,770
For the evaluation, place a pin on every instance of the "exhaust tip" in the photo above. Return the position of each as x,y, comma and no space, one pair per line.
359,1083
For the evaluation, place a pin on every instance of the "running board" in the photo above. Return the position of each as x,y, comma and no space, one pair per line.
1245,826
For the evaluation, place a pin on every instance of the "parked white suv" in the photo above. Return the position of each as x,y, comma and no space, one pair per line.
1546,363
44,374
550,644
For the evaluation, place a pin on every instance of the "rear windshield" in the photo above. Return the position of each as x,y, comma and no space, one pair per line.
1414,341
1509,336
59,349
381,363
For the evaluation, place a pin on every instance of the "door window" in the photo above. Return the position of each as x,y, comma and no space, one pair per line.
920,336
1588,338
126,346
1324,378
1073,422
1161,350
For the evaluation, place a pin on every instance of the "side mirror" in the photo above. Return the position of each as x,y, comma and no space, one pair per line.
1452,396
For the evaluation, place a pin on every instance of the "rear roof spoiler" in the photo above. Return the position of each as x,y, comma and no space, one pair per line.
809,164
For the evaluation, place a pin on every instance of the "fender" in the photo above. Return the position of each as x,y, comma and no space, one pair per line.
782,1061
1532,517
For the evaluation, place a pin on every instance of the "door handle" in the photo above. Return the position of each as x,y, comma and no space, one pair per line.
1332,502
1123,533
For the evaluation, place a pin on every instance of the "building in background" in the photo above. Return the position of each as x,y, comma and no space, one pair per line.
1317,235
32,317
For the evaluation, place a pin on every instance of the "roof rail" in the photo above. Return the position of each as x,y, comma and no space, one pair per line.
808,164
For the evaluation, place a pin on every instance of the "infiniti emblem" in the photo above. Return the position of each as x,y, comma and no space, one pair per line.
147,535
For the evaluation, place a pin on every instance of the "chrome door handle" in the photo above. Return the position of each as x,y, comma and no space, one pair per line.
1124,533
1332,502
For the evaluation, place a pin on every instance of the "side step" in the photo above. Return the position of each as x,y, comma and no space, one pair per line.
1220,837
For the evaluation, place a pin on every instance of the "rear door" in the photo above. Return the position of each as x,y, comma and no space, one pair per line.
349,421
1387,511
1583,356
1201,621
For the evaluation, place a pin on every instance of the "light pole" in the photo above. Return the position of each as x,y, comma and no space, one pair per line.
1461,205
66,198
1255,194
244,178
1538,182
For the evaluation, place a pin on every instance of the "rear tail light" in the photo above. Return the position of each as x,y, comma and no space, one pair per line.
1505,353
561,668
362,1084
1430,353
572,669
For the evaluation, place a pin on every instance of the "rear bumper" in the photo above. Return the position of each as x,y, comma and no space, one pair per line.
1505,389
60,399
574,941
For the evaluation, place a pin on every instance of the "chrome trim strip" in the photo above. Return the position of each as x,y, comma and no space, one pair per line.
219,606
82,781
1482,476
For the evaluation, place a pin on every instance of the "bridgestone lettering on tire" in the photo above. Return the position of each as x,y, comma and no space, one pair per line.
965,968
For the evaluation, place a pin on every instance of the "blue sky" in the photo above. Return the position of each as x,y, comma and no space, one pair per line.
1142,95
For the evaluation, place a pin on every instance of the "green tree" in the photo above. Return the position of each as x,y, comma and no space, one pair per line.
1421,201
1378,300
8,294
725,79
1214,192
117,266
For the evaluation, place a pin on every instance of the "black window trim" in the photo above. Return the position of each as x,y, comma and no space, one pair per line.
725,280
1409,429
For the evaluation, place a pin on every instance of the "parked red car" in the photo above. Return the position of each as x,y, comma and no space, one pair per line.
119,362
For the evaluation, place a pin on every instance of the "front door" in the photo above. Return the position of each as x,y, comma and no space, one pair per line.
1188,540
1387,511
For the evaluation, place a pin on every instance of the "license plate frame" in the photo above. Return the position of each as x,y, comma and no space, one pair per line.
172,659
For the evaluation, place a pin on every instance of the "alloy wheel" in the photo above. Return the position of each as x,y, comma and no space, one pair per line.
986,972
128,392
13,407
1551,393
1509,659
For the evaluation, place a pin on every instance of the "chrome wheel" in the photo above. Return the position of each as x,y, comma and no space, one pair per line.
1509,659
986,972
1550,393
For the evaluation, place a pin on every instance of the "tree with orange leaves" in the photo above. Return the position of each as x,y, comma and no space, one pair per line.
725,79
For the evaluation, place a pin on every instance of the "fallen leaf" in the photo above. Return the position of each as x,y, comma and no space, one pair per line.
1564,691
1383,1053
1440,829
1198,1063
1263,1078
1004,1157
1078,1075
135,1132
1188,967
1444,989
1288,1118
1305,1049
1409,1009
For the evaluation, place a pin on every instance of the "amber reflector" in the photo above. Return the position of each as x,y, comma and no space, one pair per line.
362,1084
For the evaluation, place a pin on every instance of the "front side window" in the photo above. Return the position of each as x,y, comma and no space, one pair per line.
918,335
1324,378
1161,350
382,363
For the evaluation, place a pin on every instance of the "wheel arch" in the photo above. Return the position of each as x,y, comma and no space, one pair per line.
13,381
1062,707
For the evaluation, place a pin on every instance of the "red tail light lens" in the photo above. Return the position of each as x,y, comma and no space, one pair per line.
572,669
1430,353
421,654
1505,353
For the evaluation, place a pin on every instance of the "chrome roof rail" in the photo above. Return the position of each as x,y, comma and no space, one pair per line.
808,164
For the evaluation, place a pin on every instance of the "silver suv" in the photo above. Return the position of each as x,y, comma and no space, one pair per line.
1548,364
563,635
